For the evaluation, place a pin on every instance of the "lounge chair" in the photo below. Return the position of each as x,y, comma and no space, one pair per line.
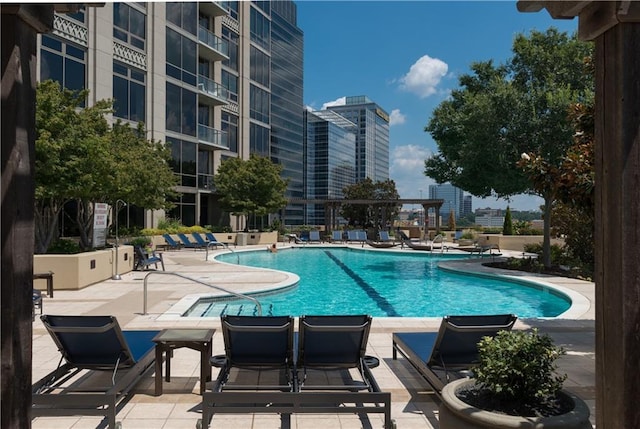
451,352
384,241
314,237
356,235
336,236
190,244
257,348
102,364
144,259
171,243
213,241
481,250
337,345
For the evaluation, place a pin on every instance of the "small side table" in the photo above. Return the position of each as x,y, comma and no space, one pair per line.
49,277
195,339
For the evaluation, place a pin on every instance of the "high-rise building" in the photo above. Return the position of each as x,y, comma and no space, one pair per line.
213,80
453,199
330,143
372,138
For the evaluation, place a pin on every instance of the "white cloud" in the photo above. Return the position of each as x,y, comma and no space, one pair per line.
338,102
424,76
407,170
396,118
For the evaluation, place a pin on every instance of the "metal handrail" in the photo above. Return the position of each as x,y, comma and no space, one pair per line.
442,237
236,294
226,246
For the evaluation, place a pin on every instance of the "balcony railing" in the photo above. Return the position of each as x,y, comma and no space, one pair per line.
205,181
212,137
219,46
216,92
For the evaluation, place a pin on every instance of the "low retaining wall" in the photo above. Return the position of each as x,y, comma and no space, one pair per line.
72,272
514,242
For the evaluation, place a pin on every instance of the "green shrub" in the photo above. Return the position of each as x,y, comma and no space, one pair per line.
519,367
507,226
468,235
141,242
169,225
64,246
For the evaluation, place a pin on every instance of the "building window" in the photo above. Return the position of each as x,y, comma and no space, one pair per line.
259,140
230,127
184,15
259,104
62,62
231,7
185,209
129,92
232,41
260,29
78,16
260,67
183,160
182,59
181,110
230,82
129,25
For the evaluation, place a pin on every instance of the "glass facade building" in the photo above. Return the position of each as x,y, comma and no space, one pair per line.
453,199
330,143
212,80
372,137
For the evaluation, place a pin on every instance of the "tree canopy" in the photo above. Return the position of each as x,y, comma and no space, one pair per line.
252,186
500,112
378,215
80,157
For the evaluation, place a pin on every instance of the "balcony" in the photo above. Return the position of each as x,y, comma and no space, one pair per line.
213,8
212,47
212,93
212,137
205,181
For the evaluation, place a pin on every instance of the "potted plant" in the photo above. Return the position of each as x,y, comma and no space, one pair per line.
515,386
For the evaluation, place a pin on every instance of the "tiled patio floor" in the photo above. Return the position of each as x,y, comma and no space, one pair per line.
413,404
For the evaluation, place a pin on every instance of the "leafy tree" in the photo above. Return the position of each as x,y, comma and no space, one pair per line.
80,157
250,187
507,226
378,214
500,112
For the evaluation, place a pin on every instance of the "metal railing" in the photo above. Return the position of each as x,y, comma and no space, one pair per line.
226,246
164,273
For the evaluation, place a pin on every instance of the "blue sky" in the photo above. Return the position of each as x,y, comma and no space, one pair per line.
407,56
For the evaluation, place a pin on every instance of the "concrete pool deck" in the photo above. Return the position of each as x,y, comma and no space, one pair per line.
413,404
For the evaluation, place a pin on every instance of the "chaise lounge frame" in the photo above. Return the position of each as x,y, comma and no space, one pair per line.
52,397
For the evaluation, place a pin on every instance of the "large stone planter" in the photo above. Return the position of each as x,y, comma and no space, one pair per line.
455,414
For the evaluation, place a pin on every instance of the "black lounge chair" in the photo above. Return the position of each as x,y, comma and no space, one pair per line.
451,352
102,364
256,348
336,345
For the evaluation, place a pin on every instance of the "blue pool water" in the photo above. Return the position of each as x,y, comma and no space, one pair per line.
382,284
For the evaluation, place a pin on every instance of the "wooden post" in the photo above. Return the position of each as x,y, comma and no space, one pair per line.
617,235
20,24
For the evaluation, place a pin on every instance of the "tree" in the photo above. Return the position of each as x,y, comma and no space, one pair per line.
502,111
507,226
80,157
380,214
250,187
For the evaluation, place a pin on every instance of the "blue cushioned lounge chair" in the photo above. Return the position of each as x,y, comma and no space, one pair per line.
314,236
173,244
188,243
212,241
102,364
451,352
336,236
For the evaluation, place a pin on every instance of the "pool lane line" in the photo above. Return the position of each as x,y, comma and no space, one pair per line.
380,301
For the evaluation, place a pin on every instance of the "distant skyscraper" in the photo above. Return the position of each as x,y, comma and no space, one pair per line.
372,138
330,143
467,205
453,198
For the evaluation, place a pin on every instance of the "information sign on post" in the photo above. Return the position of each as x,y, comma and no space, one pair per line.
100,223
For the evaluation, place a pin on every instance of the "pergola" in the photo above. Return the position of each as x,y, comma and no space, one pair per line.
332,207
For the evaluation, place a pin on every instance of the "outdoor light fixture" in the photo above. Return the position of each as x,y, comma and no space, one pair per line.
117,276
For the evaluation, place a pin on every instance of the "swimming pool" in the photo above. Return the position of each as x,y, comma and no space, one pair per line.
382,284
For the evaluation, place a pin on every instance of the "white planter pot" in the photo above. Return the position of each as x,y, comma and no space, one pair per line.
456,414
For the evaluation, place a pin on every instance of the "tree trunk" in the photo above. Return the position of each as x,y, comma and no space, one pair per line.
546,240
